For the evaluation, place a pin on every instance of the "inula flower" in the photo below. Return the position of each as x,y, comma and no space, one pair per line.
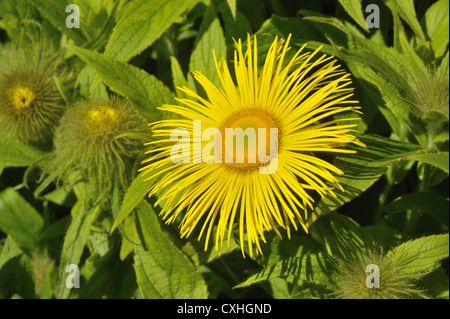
30,103
284,111
99,141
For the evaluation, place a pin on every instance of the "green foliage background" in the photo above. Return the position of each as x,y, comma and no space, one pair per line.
396,190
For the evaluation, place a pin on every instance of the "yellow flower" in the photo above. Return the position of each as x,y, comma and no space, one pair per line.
290,105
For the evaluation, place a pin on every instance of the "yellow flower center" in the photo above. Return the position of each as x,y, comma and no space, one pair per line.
249,130
103,116
22,97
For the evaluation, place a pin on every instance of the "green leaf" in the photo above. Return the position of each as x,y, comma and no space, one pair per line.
9,250
306,267
98,19
427,202
56,229
420,256
392,72
74,243
134,195
16,272
55,12
202,58
87,85
439,160
400,106
254,12
437,23
19,219
436,284
302,31
353,8
235,26
405,8
295,260
15,153
162,270
417,67
145,91
16,16
143,22
232,5
111,279
179,79
364,168
336,233
129,236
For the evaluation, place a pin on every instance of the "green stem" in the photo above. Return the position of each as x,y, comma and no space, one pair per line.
382,200
390,181
229,271
424,185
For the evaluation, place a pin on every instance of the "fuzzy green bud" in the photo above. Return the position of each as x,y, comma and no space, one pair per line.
368,274
99,142
30,103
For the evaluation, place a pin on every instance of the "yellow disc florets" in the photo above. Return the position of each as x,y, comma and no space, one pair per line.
30,102
22,97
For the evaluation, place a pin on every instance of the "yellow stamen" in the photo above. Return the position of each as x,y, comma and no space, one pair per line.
22,97
103,116
255,119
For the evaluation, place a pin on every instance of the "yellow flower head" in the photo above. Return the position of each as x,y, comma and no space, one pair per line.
30,103
282,113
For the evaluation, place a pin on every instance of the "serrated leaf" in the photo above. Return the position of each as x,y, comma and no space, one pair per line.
354,9
202,58
426,202
439,160
405,8
162,270
19,219
144,90
417,67
74,243
15,153
395,101
419,257
141,24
